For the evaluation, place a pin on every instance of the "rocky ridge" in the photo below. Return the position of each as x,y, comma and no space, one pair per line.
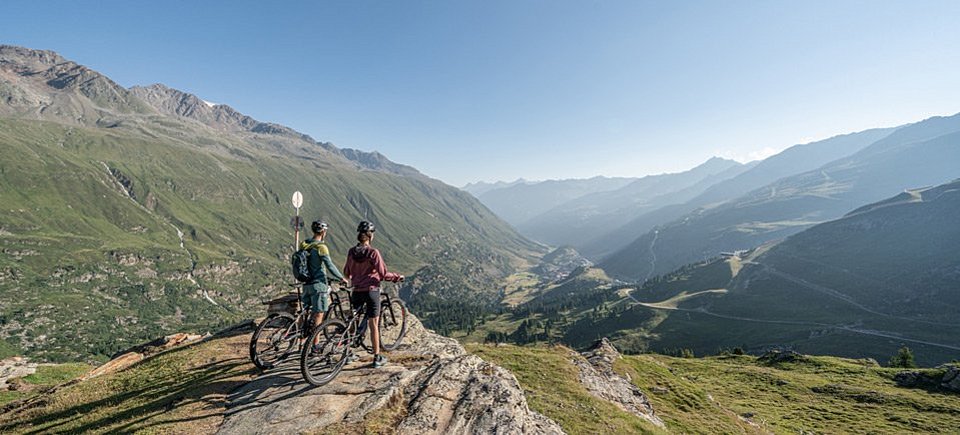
597,375
42,85
949,381
431,385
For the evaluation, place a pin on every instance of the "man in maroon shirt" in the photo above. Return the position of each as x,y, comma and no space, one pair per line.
365,269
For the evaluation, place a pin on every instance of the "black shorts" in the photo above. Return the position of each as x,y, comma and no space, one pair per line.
369,298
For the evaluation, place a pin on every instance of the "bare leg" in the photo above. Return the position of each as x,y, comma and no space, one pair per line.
317,320
374,324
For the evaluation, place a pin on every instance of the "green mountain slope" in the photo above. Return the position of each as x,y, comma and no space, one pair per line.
883,276
122,220
733,394
921,154
863,285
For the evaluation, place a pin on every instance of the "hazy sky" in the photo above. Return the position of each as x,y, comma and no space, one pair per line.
489,90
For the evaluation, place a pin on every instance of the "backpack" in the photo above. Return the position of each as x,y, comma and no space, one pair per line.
300,262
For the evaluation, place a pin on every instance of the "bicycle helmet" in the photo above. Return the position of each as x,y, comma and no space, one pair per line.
318,226
366,227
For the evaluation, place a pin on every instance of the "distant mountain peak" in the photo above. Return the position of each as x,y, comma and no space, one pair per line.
716,163
33,81
42,85
218,116
29,56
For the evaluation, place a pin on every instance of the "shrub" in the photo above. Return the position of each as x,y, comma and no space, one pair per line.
903,359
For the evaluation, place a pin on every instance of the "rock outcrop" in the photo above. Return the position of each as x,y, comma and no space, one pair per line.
430,386
949,381
15,367
778,356
597,375
115,365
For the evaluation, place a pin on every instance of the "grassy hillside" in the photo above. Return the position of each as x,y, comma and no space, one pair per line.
731,394
551,383
882,277
124,219
184,390
91,218
815,394
180,391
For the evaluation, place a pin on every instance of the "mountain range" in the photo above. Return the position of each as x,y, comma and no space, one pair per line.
519,202
880,277
166,212
913,156
580,221
605,221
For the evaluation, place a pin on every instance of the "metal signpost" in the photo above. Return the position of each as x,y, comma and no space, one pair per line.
297,221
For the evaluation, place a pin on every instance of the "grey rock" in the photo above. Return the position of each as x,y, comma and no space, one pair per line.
597,375
468,395
444,390
15,367
951,379
777,356
909,379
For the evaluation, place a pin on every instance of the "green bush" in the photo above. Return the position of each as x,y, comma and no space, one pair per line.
903,359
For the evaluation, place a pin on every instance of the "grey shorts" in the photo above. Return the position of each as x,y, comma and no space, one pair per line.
316,297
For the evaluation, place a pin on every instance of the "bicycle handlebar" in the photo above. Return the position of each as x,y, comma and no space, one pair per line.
340,284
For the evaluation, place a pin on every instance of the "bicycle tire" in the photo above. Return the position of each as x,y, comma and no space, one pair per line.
320,368
276,323
393,324
364,339
335,310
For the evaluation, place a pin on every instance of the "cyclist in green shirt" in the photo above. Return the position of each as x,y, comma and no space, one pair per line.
316,294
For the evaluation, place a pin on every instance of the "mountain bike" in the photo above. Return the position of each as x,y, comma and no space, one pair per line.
337,340
282,334
393,320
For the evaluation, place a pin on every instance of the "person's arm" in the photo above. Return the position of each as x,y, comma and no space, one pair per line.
323,259
348,266
332,268
381,268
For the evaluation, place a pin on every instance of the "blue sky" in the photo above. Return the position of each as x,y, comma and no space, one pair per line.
497,90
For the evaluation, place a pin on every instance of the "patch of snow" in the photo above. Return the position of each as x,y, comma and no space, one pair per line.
209,104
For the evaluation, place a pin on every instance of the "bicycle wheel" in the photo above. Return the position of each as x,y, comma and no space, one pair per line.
275,338
363,334
335,310
322,363
393,323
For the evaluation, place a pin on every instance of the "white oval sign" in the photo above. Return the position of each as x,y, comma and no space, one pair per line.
297,199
